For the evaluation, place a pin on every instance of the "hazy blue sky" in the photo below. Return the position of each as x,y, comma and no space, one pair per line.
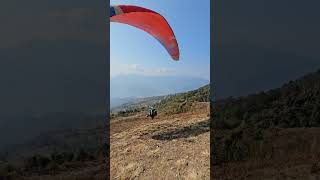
133,51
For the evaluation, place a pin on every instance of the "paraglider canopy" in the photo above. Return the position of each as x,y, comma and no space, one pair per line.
149,21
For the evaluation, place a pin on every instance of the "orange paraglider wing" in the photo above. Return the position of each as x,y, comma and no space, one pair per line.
149,21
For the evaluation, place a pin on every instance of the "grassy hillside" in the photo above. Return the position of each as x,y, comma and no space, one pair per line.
242,126
170,104
174,145
182,102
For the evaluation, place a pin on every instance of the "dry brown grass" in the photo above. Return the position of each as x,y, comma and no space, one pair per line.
169,147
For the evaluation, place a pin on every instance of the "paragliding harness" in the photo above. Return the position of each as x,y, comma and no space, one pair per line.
152,112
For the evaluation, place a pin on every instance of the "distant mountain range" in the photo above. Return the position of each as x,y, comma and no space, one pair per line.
138,103
126,88
115,102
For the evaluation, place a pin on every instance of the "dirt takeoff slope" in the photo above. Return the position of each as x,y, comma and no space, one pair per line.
168,147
